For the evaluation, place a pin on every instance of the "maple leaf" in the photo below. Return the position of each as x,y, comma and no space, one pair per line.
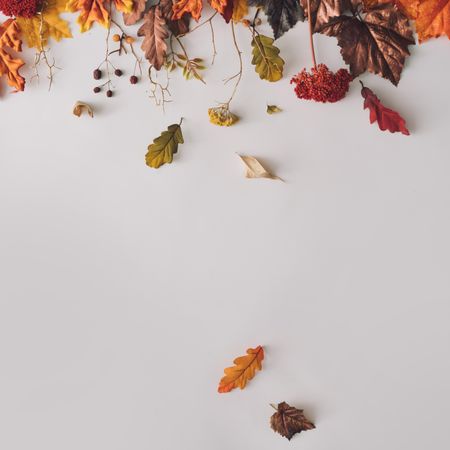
289,421
386,118
243,371
323,10
136,14
281,14
266,59
240,10
177,27
193,7
433,19
164,146
38,29
10,65
155,34
374,39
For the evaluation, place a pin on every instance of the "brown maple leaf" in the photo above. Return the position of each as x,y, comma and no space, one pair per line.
289,421
177,27
155,34
323,10
374,38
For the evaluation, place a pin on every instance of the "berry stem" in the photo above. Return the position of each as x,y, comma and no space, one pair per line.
311,40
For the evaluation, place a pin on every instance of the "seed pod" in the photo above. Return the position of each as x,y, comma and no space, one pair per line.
97,89
118,73
133,79
109,93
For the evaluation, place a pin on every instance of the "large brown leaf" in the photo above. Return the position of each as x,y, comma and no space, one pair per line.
155,34
177,27
289,421
323,10
375,38
137,13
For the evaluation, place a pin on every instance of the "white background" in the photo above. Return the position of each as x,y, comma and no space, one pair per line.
125,290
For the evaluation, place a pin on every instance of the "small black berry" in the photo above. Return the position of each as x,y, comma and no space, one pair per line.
133,79
109,93
97,74
97,89
118,72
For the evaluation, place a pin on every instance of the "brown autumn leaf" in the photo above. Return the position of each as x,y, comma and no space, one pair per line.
289,421
137,14
254,169
177,27
323,10
82,107
374,38
243,371
155,34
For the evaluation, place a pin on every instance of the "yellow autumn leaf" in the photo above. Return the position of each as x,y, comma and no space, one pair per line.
38,29
125,6
268,64
240,10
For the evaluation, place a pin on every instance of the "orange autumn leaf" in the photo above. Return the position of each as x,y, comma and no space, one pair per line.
91,11
182,7
10,65
243,371
219,5
433,19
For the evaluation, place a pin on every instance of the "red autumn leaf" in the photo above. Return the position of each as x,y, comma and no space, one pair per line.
386,118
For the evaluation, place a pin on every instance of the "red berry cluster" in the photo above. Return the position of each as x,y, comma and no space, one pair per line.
322,85
20,8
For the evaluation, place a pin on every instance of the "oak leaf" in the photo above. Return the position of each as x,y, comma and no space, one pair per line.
177,27
155,34
240,10
136,13
38,29
220,5
433,19
289,421
9,64
254,169
164,146
374,39
281,14
268,64
386,118
193,7
243,371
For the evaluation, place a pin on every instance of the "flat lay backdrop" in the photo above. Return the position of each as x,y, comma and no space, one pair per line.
125,290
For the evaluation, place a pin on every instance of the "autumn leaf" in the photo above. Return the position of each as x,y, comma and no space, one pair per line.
433,19
289,421
374,39
164,146
137,12
228,9
254,169
240,10
155,34
177,27
386,118
124,6
82,107
219,5
323,10
273,109
9,64
266,59
281,14
193,7
243,371
91,11
38,29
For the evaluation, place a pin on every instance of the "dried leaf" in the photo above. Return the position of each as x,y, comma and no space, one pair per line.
136,14
155,34
289,421
243,371
193,7
228,9
219,5
81,107
281,14
386,118
10,65
266,59
164,146
240,10
433,19
323,10
177,27
222,116
255,169
375,39
273,109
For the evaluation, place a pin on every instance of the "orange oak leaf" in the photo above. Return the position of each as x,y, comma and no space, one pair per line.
243,371
10,65
433,19
386,118
181,7
220,5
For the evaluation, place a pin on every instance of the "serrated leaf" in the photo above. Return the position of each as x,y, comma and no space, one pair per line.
268,64
136,14
182,7
163,148
177,27
289,421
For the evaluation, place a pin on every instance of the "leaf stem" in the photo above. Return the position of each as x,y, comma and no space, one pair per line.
311,39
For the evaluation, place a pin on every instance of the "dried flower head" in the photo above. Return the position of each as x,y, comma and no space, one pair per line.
322,85
20,8
222,116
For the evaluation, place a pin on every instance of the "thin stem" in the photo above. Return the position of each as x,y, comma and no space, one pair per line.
239,74
311,40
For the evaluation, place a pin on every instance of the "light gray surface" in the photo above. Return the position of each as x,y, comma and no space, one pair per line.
125,291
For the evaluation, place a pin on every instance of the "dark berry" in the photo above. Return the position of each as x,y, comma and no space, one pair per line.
133,79
109,93
97,89
118,72
97,74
